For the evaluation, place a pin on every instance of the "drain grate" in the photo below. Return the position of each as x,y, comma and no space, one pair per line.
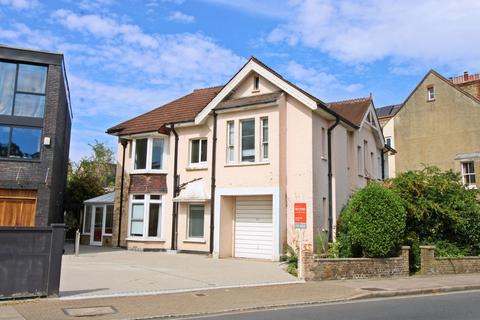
89,311
373,289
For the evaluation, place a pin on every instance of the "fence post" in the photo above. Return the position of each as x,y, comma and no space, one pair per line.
405,254
56,252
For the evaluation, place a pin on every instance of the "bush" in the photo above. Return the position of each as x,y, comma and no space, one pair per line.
373,223
292,260
440,211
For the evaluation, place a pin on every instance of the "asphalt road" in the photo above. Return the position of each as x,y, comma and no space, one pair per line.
458,306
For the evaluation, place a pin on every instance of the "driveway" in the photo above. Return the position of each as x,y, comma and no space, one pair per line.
99,271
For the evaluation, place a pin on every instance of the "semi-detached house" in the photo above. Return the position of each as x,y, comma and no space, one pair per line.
244,155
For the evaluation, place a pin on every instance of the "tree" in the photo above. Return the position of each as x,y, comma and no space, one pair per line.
88,178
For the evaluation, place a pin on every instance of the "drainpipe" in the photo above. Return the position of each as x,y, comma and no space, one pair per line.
124,143
212,184
175,192
330,191
382,159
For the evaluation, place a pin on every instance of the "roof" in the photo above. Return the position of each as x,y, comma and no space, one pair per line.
248,101
388,111
183,109
353,110
104,198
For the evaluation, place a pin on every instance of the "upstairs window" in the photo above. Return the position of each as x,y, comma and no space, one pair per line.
148,154
430,93
198,151
22,89
20,142
230,141
248,140
264,132
468,173
388,141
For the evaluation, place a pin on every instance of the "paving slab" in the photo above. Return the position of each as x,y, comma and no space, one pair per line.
243,299
103,272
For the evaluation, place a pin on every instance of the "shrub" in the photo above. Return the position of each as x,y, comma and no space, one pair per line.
373,223
292,260
321,243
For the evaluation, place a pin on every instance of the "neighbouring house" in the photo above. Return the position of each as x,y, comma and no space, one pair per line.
97,220
222,169
35,121
437,125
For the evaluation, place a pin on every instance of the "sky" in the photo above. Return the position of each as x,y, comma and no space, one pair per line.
127,57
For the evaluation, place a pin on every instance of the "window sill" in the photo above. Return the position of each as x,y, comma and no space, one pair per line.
163,171
256,91
144,239
194,240
197,167
247,164
430,100
324,158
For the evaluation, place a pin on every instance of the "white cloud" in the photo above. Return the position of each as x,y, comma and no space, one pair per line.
409,31
180,17
94,5
323,85
20,4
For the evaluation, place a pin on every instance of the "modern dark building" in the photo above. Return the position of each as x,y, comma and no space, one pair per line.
35,122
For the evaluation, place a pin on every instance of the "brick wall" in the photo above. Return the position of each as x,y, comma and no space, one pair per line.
443,265
315,268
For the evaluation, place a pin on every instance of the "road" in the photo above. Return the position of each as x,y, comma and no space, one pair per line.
457,306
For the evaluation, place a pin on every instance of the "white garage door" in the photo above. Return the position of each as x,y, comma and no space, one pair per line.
253,228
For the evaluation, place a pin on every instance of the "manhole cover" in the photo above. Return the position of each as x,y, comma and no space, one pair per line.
373,289
89,311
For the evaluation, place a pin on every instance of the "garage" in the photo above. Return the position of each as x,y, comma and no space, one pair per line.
253,228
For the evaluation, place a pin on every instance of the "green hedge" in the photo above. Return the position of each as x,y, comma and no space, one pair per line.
372,224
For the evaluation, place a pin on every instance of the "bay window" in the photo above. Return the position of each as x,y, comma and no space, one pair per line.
146,215
198,151
248,140
148,154
196,221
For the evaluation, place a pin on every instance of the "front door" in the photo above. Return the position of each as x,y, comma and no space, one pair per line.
97,226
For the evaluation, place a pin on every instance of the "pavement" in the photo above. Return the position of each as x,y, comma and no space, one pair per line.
110,272
214,301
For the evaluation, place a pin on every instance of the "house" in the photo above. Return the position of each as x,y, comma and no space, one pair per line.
437,125
35,121
244,155
97,220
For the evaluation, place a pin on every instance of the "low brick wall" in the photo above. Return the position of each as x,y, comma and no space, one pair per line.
355,268
443,265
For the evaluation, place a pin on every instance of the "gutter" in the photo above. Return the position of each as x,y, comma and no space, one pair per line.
124,143
330,177
175,192
213,182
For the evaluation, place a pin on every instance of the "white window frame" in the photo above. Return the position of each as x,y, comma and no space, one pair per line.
85,218
264,142
200,163
231,156
464,174
391,141
105,218
146,207
188,223
430,97
148,167
241,140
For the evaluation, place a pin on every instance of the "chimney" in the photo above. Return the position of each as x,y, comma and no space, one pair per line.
476,76
450,79
465,76
456,80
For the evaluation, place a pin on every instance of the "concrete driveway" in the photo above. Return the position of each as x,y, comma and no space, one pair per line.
104,272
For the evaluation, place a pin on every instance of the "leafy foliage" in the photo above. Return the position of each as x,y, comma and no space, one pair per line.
373,223
440,209
292,260
88,178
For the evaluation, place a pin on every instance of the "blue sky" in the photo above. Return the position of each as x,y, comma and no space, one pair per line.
127,57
